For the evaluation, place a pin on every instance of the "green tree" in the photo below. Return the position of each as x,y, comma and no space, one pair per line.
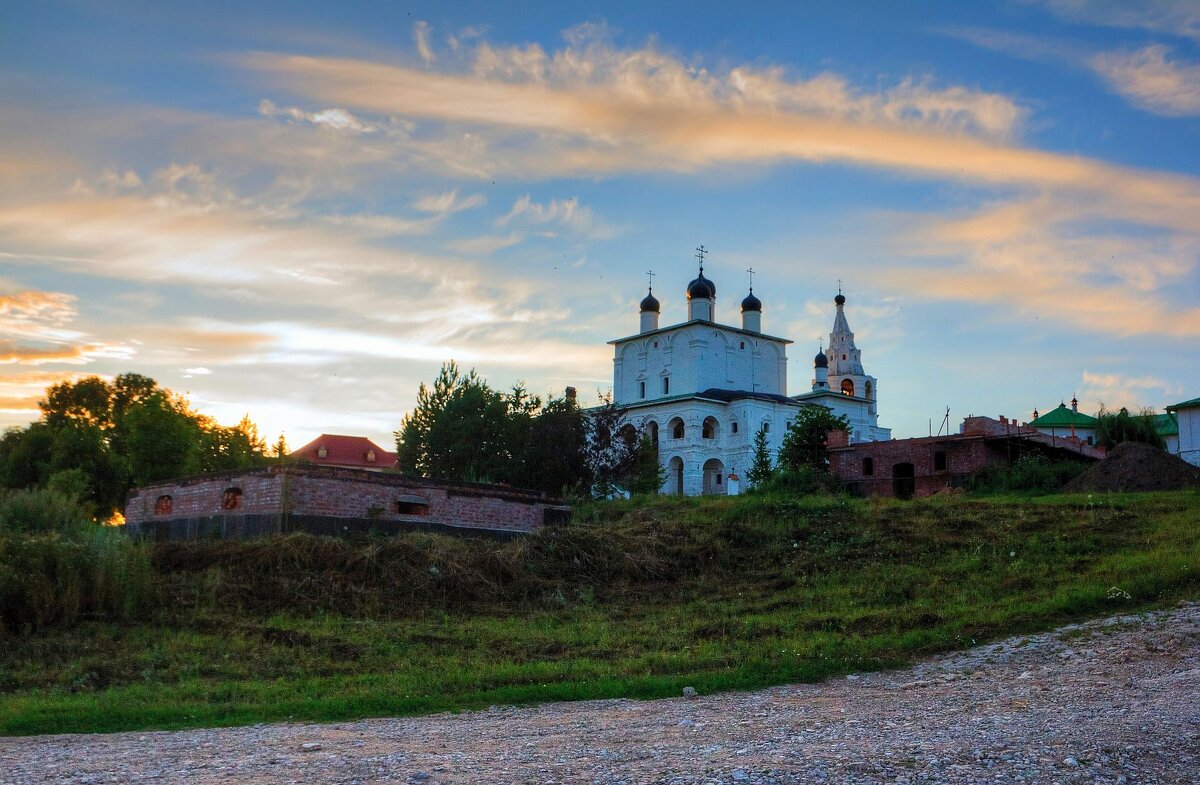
611,446
1112,428
761,470
556,455
646,473
804,443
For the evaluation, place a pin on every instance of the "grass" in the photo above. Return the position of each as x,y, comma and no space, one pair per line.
631,600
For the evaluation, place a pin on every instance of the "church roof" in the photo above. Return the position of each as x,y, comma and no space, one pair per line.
354,451
681,325
650,303
728,396
828,392
1062,417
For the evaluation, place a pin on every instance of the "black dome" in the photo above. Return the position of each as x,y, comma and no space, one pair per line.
820,361
840,299
751,303
650,303
702,288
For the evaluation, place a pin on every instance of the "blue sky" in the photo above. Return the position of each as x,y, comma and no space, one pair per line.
300,211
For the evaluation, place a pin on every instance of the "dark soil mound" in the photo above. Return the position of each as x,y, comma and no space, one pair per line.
1137,467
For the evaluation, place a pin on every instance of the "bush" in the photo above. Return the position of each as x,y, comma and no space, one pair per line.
41,511
802,480
1030,474
53,577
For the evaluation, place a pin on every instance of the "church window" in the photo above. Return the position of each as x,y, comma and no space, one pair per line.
868,466
231,499
939,461
652,427
666,385
642,389
847,387
742,344
766,427
370,456
322,453
677,428
843,356
709,429
163,505
868,390
656,344
733,427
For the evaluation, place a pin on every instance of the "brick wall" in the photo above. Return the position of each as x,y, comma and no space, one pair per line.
299,496
963,455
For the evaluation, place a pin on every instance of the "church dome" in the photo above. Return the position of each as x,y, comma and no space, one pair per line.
820,361
650,303
701,288
751,303
840,299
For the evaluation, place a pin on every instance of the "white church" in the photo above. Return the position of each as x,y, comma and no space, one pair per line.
703,389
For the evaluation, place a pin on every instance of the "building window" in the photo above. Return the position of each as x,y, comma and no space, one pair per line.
322,453
370,456
847,387
642,389
652,428
867,390
868,466
709,429
766,427
677,428
743,345
231,499
666,385
843,356
787,425
412,505
939,461
733,427
163,505
656,344
718,479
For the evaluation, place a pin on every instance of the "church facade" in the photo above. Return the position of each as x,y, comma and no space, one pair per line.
702,389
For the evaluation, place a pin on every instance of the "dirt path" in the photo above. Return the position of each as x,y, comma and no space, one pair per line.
1113,701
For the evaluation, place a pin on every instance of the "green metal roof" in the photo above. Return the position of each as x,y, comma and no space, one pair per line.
1062,417
1192,404
1166,425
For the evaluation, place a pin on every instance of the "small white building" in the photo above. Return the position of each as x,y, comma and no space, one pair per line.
1187,416
702,389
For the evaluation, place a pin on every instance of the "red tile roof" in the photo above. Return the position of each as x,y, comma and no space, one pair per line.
353,451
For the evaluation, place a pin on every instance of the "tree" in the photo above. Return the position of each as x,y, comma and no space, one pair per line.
556,455
761,470
1112,428
804,443
610,451
646,473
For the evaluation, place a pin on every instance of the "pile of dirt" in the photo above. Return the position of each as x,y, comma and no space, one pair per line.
1137,467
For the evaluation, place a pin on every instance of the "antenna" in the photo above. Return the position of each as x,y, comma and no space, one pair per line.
945,423
700,254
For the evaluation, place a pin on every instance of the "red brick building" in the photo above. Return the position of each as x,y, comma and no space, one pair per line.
350,452
332,501
905,468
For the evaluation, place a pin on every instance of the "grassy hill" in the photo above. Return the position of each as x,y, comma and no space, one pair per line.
631,599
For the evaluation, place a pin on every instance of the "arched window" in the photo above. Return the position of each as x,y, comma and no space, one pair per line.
652,429
766,427
733,427
868,466
867,390
847,387
709,429
666,385
231,499
677,428
412,505
163,506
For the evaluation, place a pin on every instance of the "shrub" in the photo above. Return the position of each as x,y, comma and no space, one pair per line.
52,577
802,480
1030,473
40,510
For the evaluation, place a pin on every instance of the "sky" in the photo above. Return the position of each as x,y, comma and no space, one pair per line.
300,211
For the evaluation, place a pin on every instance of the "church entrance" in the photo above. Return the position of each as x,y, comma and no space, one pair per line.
714,477
904,480
675,476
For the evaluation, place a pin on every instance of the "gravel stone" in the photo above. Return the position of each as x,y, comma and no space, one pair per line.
1120,709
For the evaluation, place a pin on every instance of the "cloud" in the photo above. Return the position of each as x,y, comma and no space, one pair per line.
568,213
448,202
421,31
1172,17
333,119
1115,390
1148,79
486,244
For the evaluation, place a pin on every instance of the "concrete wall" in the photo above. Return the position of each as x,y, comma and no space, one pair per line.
332,500
1189,434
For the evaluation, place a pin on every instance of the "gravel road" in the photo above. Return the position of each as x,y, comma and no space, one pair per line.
1111,701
